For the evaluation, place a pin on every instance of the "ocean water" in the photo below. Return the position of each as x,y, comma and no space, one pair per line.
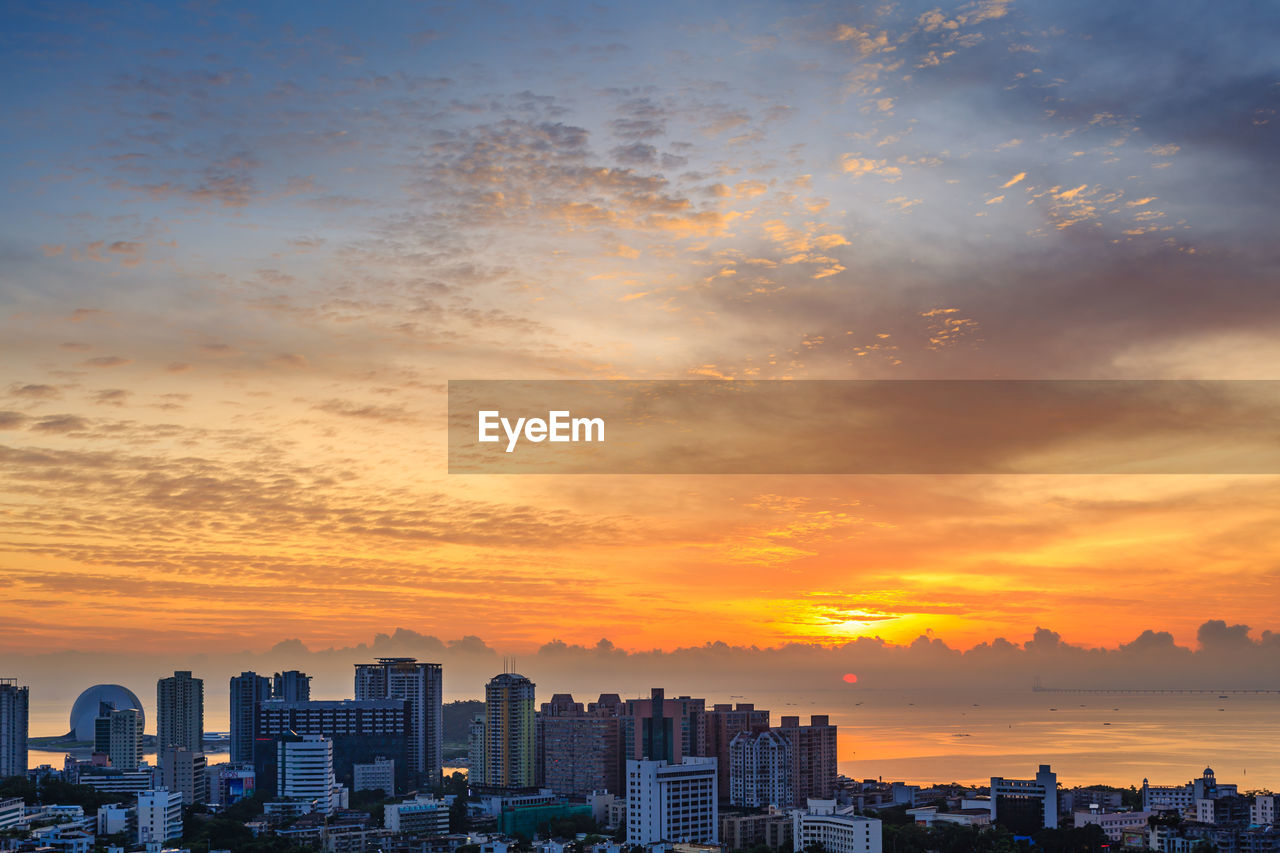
968,736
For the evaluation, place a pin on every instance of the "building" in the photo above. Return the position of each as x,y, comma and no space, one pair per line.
11,812
531,820
179,713
304,771
248,689
14,702
423,815
723,723
1266,807
230,783
183,771
475,751
1182,798
118,735
1026,806
85,710
362,731
419,684
291,686
760,766
577,751
377,775
510,739
159,815
115,781
1224,809
771,828
672,802
115,817
835,830
1113,824
657,728
813,757
929,816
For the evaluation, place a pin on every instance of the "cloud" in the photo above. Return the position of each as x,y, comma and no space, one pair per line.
106,361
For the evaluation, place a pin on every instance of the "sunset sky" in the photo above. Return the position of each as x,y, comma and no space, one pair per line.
245,247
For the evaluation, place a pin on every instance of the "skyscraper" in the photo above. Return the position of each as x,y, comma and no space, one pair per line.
247,690
509,733
578,751
14,701
813,757
291,686
179,713
304,770
420,685
118,735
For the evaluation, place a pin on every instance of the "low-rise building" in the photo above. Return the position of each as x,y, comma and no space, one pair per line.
424,815
1113,823
835,830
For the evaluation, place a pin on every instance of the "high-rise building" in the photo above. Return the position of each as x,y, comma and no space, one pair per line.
475,751
183,771
291,686
1026,806
179,713
159,815
813,757
361,730
672,802
419,684
304,770
723,723
14,702
248,689
510,738
118,735
681,732
577,750
760,766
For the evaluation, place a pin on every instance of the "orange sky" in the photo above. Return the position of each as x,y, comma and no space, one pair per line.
239,279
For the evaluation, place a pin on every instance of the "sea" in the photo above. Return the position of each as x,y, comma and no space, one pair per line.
922,736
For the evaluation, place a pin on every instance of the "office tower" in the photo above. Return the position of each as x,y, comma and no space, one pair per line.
1026,806
118,735
677,803
291,686
760,770
420,685
247,690
159,815
362,731
183,771
509,733
723,723
179,713
304,770
834,830
577,750
813,757
14,702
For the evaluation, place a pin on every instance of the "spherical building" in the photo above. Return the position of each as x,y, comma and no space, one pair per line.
85,709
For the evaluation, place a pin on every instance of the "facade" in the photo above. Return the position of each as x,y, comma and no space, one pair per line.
11,811
760,770
248,689
419,684
291,686
835,830
1113,824
230,783
114,781
510,738
424,815
770,828
179,713
184,771
14,702
578,752
813,757
1026,806
676,803
1224,809
723,723
658,728
1265,809
362,731
118,735
159,815
377,775
304,771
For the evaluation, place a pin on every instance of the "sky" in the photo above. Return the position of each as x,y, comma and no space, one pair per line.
246,246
